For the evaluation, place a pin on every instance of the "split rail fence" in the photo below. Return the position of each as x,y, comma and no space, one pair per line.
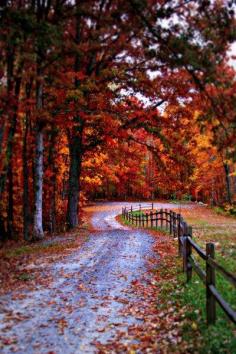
174,223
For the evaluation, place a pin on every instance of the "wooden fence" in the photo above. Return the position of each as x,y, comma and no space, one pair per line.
176,226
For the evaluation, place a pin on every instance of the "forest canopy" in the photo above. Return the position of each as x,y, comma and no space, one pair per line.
113,99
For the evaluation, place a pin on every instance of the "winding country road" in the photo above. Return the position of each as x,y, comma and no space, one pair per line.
84,302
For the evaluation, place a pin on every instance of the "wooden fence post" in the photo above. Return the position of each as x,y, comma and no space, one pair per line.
210,280
161,214
189,268
181,233
146,219
171,222
184,253
151,218
156,218
174,224
184,247
166,214
152,206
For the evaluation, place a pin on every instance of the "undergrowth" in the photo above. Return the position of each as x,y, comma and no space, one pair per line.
189,301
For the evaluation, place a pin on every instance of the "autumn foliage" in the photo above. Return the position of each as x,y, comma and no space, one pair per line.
100,99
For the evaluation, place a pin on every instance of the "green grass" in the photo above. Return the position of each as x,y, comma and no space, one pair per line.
25,276
190,301
138,212
222,211
31,249
158,228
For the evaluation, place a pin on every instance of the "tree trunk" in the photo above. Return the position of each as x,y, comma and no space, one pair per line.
75,146
228,184
38,163
39,146
26,207
38,185
52,181
53,206
1,135
10,212
6,172
74,179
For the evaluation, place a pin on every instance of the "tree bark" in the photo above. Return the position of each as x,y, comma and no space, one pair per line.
6,173
26,206
38,185
10,212
52,181
75,146
228,184
38,163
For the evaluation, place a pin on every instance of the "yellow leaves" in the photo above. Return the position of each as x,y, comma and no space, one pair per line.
194,326
95,161
96,180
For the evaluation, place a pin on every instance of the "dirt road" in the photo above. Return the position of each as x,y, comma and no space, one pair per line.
84,302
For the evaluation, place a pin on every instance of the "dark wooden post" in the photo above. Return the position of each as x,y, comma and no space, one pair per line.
179,233
139,220
131,209
210,280
161,214
171,222
143,218
174,224
166,214
189,268
184,253
156,218
152,206
146,219
151,218
183,247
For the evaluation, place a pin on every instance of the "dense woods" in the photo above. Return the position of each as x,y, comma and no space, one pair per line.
113,99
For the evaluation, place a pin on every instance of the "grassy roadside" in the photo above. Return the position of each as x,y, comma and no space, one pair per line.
187,301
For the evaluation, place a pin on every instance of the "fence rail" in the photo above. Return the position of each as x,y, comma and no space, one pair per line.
174,223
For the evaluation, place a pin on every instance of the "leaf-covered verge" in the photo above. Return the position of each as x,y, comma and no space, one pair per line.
25,266
180,319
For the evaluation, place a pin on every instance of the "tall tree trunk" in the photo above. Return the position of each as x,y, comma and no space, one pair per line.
52,181
52,211
11,118
6,172
26,208
2,126
228,184
38,163
26,205
75,146
38,185
10,212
